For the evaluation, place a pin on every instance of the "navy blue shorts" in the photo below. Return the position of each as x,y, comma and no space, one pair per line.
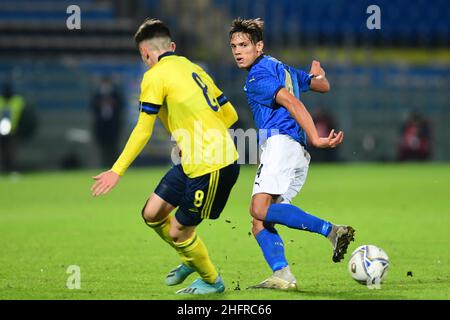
198,198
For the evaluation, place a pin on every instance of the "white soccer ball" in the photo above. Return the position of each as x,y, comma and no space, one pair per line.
368,265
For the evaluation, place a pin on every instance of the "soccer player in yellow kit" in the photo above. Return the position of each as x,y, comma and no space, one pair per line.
197,114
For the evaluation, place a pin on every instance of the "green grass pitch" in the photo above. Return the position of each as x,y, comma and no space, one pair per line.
49,221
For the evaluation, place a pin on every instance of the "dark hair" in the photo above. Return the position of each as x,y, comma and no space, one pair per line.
253,27
151,28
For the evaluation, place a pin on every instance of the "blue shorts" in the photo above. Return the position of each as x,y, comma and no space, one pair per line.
198,198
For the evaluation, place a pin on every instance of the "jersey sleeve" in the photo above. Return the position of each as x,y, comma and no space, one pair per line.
152,93
228,114
136,142
263,87
304,80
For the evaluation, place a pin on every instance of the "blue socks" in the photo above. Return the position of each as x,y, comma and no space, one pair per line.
273,248
293,217
290,216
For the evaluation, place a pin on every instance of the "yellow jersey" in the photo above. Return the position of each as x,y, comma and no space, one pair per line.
192,108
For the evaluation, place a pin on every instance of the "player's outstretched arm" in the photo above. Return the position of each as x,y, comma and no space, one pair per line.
298,111
319,82
104,182
142,132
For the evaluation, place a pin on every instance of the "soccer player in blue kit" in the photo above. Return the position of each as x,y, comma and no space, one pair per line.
273,93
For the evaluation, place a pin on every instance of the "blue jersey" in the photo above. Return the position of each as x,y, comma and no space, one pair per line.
265,78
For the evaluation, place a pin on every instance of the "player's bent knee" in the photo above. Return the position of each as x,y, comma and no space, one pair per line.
260,205
258,211
156,209
148,215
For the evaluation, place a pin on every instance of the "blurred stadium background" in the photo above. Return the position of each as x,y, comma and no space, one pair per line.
378,77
